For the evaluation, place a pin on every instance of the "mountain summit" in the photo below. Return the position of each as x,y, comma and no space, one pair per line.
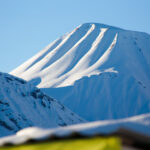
71,57
98,71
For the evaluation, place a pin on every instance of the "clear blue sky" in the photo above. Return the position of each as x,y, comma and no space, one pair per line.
27,26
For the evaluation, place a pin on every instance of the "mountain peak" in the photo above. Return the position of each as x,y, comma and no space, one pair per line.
95,66
99,25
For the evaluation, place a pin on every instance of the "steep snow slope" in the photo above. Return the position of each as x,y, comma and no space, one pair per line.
139,124
22,105
98,71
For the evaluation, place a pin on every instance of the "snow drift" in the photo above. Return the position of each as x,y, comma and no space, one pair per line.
139,125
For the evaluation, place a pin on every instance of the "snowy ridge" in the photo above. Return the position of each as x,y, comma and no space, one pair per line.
139,124
22,105
66,63
95,68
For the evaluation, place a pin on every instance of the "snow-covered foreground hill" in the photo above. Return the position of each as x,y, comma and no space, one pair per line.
22,105
98,71
137,124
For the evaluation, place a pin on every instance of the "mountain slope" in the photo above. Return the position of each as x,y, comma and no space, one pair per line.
22,105
95,68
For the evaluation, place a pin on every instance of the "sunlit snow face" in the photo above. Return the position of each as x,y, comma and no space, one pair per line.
78,54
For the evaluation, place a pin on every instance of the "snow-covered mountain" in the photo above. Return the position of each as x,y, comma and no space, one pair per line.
22,105
98,71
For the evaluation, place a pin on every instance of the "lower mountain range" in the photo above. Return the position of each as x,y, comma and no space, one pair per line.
23,105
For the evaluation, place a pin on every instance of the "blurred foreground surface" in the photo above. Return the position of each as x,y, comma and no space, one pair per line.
95,143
